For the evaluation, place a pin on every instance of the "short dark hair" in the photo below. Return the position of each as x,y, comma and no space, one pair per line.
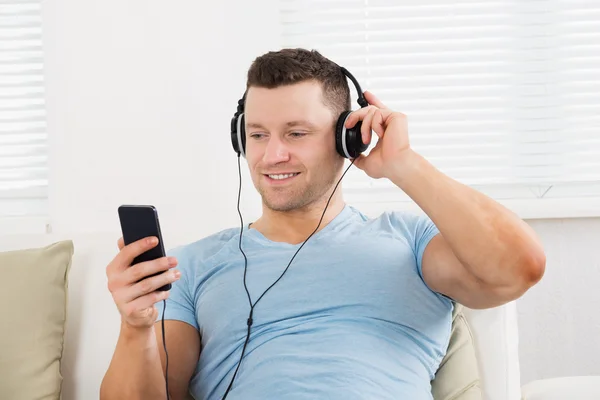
289,66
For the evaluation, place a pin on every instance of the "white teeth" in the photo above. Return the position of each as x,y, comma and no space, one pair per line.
282,176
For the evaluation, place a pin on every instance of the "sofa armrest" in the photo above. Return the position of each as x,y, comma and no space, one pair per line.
575,387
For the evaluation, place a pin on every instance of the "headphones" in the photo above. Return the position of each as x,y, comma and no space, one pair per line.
348,141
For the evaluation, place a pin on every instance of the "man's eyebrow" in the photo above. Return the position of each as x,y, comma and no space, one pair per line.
254,125
300,122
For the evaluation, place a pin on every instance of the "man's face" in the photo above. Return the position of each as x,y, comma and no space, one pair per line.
290,145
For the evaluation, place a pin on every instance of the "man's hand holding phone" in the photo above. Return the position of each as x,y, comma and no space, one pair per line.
133,290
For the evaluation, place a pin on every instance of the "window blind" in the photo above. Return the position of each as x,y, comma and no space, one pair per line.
500,95
23,140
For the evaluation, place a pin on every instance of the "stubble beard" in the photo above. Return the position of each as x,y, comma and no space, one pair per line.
297,198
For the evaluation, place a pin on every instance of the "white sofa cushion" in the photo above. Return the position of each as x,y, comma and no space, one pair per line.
497,345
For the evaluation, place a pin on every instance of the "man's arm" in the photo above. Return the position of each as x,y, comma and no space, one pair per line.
184,347
135,371
484,255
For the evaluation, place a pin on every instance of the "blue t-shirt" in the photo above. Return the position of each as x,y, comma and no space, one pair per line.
351,319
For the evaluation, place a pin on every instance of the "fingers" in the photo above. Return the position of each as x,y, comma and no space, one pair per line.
356,116
378,124
125,257
131,275
140,271
149,285
145,302
371,99
372,120
366,129
361,113
134,288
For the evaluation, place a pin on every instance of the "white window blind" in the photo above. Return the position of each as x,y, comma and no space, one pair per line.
23,147
500,95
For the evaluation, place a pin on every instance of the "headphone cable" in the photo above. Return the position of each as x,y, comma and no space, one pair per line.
165,347
250,321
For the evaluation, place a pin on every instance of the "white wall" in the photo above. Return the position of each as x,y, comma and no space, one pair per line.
559,322
140,96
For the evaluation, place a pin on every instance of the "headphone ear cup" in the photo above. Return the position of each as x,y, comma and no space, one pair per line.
238,134
354,138
242,134
340,132
348,141
234,137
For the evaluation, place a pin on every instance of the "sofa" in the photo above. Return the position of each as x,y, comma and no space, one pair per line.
81,352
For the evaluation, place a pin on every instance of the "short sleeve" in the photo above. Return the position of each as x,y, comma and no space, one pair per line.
419,230
181,304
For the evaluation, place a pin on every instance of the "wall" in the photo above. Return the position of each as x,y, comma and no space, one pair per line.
140,95
559,322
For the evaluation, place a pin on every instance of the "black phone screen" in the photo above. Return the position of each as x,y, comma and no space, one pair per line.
138,222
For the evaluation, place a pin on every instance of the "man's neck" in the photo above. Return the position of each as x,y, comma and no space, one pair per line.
295,226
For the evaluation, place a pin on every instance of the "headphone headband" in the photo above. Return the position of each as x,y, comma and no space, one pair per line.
361,97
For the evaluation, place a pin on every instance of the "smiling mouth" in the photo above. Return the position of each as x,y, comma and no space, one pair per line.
282,177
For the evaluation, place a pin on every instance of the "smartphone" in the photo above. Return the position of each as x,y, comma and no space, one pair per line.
138,222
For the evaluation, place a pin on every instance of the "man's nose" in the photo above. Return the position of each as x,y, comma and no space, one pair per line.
276,151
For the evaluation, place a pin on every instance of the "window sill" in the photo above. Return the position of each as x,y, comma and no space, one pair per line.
24,226
374,201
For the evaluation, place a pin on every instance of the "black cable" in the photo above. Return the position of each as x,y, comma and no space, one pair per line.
165,347
250,320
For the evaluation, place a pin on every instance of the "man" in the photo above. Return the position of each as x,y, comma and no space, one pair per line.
364,310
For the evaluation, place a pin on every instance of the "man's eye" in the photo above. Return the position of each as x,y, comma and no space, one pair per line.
256,135
298,134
